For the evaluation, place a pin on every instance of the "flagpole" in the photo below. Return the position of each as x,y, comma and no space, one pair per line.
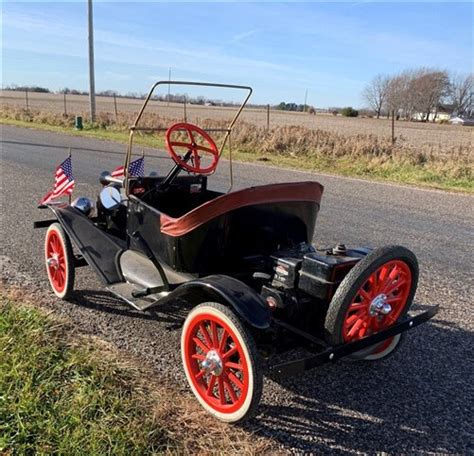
70,156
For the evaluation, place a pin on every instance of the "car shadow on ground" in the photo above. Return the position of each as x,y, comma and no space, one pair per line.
361,406
172,312
350,406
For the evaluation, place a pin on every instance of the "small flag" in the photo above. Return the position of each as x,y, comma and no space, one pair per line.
63,182
135,169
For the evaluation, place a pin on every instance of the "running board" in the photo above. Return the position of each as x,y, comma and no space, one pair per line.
125,291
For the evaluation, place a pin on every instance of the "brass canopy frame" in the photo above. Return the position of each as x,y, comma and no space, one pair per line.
135,127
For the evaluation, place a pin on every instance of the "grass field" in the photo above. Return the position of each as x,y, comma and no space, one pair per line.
62,393
413,134
433,155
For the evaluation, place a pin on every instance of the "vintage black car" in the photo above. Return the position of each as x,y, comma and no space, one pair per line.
244,264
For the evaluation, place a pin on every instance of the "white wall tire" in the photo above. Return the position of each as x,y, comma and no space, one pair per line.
388,276
231,391
59,261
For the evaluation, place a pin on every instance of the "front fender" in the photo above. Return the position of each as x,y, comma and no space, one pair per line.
98,248
247,303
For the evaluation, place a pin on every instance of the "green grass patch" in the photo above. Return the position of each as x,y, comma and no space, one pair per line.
423,174
56,398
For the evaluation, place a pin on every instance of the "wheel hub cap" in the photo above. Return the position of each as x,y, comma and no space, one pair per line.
380,306
53,262
212,364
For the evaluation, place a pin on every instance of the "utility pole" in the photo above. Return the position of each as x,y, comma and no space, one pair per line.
91,62
169,85
305,100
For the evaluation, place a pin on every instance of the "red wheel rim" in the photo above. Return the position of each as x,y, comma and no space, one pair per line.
56,261
192,146
226,390
389,285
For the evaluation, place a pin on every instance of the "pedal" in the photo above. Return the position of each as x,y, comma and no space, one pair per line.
126,291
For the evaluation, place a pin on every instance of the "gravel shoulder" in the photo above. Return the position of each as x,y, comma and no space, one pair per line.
418,401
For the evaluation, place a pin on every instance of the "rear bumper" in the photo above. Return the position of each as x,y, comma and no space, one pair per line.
331,354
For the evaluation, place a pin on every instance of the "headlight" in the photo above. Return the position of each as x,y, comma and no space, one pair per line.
83,204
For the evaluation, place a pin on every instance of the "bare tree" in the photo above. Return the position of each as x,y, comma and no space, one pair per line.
461,95
397,93
375,93
429,88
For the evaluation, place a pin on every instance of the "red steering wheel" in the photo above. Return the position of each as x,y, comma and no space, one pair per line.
192,146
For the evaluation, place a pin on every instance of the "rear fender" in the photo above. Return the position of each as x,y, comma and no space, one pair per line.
246,303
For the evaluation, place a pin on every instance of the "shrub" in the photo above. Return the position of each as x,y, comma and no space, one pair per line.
349,112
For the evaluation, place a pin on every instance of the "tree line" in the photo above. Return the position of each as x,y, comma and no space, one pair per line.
421,92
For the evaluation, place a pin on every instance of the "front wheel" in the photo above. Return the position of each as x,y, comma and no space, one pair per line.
59,260
221,362
375,295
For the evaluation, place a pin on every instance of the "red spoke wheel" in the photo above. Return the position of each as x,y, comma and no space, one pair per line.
59,260
375,294
194,165
221,362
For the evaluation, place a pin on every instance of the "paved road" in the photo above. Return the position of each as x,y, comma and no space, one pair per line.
418,401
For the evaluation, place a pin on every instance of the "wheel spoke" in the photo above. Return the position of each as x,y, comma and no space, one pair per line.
196,158
357,306
351,320
180,144
205,149
221,391
363,330
230,390
210,386
200,344
224,337
234,365
229,353
355,328
205,334
395,286
198,356
191,136
365,295
215,338
235,380
199,374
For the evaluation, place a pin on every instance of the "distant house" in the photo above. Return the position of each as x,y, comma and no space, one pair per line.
442,113
462,121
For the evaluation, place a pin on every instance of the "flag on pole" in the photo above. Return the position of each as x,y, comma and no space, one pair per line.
63,182
135,169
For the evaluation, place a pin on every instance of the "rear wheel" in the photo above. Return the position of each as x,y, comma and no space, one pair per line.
375,294
59,260
221,362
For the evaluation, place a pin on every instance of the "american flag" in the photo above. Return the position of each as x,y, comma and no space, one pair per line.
136,169
63,182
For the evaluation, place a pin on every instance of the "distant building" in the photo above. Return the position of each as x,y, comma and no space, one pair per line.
462,121
443,112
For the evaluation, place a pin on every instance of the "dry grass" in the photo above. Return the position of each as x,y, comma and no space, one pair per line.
362,154
114,406
416,135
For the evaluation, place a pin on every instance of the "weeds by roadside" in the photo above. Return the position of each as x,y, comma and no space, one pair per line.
63,393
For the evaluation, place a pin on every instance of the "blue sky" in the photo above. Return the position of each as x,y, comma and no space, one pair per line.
281,49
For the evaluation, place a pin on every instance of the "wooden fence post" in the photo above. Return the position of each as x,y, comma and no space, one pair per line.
393,126
115,108
26,99
268,117
65,106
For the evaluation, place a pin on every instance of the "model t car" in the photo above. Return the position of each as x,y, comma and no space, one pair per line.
243,263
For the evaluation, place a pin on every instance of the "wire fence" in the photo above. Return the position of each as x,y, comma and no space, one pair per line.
115,106
121,109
